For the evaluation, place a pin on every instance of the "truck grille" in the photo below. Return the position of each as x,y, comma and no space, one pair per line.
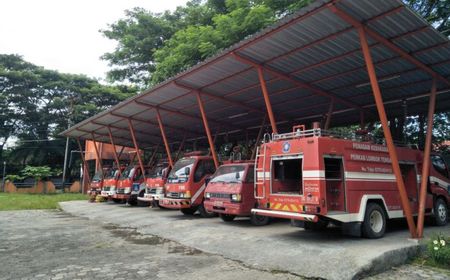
221,195
106,189
120,191
152,191
173,195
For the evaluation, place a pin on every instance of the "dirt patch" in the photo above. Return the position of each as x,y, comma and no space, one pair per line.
133,236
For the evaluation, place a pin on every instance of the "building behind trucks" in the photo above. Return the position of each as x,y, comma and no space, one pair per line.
186,184
314,177
154,184
230,192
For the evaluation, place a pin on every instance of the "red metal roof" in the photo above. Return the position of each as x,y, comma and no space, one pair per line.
309,59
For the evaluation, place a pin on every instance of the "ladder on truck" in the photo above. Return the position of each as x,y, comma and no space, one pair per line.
260,180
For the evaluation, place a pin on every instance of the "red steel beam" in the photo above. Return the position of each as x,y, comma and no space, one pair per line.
426,161
387,133
258,138
152,158
163,134
349,19
106,135
86,176
265,93
330,112
208,132
136,148
299,83
116,157
180,148
123,129
99,158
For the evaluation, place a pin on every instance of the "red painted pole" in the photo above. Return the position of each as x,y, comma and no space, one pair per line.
136,148
267,100
116,157
163,134
426,161
330,112
177,156
387,133
86,176
208,132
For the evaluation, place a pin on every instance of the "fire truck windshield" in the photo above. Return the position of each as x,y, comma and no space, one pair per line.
98,176
127,173
157,171
178,175
110,173
229,174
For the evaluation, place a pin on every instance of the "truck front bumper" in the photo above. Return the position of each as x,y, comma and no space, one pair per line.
172,203
121,196
226,207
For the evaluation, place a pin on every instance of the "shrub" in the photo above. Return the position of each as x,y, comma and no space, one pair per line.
439,249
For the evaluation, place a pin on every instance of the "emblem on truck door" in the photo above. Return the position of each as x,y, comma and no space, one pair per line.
286,147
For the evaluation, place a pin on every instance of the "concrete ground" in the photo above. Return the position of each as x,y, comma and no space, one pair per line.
46,244
277,247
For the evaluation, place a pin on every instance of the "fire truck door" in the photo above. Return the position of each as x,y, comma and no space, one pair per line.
335,183
409,175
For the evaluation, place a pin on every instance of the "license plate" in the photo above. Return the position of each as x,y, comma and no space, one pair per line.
218,203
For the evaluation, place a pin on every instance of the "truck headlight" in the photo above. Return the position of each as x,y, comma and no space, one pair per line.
236,197
159,190
208,195
127,190
185,195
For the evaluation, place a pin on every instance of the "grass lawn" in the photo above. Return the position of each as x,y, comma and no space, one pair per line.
11,201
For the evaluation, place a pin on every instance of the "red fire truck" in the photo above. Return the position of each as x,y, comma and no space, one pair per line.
97,182
110,183
130,178
154,184
314,177
186,184
230,192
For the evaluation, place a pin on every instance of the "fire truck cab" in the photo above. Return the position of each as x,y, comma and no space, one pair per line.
186,184
154,184
230,192
96,184
314,177
130,178
110,183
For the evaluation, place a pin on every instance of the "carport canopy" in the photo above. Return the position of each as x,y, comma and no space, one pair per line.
312,64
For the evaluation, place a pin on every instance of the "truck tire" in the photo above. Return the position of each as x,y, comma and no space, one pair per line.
141,203
258,220
189,211
205,213
227,218
440,212
374,224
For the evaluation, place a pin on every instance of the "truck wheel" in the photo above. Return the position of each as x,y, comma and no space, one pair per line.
140,202
227,218
258,220
374,224
205,213
189,211
440,212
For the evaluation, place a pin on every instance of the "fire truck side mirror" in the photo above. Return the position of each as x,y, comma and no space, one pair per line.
237,175
187,171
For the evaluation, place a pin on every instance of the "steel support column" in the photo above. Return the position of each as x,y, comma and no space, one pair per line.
180,148
258,138
387,133
136,148
116,156
330,112
163,134
426,161
152,158
265,93
86,176
208,132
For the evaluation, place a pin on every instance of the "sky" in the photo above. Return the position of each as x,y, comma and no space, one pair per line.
64,35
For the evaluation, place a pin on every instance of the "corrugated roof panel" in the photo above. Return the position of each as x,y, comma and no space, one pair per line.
163,94
364,10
